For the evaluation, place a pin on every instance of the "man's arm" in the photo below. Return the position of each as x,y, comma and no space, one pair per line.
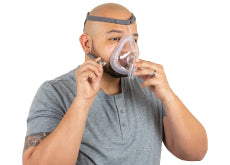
63,144
184,136
34,140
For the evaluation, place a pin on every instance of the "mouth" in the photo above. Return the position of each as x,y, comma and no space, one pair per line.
127,59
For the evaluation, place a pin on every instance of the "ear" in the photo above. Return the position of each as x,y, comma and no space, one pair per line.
86,42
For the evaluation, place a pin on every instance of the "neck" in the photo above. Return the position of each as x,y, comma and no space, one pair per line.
110,85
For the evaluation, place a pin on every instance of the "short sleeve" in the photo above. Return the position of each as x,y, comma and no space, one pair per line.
163,110
46,110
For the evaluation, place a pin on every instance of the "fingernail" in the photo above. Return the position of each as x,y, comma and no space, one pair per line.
98,59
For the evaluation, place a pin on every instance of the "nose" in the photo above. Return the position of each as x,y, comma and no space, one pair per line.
128,47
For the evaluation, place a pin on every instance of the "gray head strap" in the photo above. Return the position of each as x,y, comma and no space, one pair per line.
110,20
90,55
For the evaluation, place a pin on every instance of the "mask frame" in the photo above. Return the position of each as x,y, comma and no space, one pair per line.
128,57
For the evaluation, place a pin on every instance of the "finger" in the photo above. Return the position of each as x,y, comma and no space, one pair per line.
92,75
145,64
144,72
91,62
88,76
149,82
90,67
98,61
94,62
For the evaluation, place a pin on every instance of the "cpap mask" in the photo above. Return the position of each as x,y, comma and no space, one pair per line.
126,51
124,55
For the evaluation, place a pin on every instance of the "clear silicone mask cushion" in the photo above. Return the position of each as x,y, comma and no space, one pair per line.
126,51
124,55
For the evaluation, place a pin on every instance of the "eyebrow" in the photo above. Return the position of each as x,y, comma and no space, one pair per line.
115,31
121,32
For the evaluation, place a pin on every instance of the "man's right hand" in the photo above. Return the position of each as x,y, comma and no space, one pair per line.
88,78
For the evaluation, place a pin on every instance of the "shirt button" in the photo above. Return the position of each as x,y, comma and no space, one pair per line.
122,111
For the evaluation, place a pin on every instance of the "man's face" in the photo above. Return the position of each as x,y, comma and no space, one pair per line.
106,39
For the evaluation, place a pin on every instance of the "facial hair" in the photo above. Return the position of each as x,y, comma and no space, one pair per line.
107,68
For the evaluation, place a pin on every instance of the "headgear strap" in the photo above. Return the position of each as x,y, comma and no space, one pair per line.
110,20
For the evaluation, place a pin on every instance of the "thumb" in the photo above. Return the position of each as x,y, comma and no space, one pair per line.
98,78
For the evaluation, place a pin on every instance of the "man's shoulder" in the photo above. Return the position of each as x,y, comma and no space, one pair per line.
61,85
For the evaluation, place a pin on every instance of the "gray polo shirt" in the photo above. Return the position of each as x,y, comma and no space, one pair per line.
124,129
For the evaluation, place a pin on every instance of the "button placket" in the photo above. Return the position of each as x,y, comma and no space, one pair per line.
119,100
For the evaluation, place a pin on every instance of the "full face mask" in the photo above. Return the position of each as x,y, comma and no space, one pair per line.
126,51
124,55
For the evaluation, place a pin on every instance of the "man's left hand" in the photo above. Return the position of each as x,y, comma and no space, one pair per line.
154,77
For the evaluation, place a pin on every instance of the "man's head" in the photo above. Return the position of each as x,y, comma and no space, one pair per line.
100,38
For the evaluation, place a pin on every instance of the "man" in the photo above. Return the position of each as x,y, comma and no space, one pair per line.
94,115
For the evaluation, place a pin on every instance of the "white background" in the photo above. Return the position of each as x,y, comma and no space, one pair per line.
39,41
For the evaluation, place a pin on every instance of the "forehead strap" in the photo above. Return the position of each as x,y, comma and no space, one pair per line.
110,20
